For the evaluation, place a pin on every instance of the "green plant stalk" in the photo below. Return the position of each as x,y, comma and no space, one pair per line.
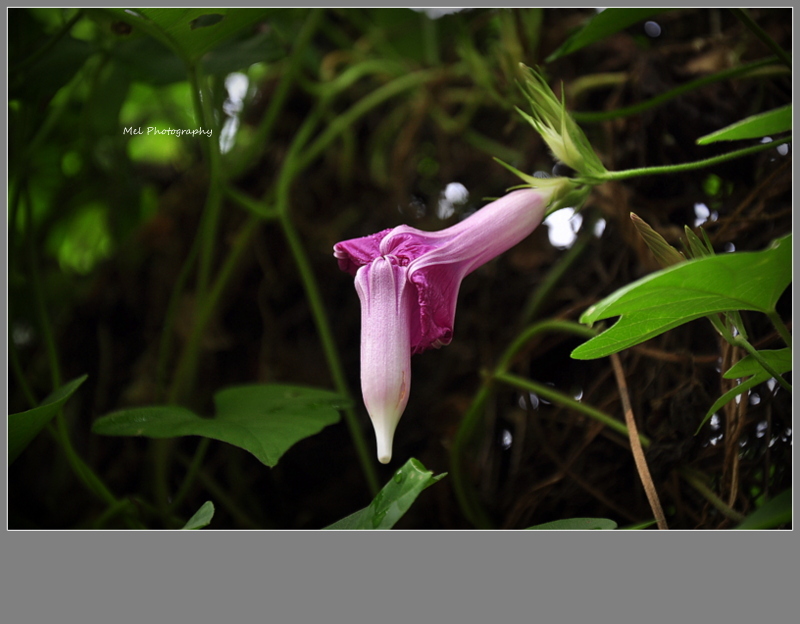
780,327
289,170
221,496
191,473
258,208
699,164
467,499
296,58
759,32
695,480
550,325
187,363
360,108
328,345
60,431
728,74
188,360
691,477
111,511
201,100
168,326
567,401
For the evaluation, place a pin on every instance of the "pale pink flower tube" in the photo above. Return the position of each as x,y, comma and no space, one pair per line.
408,282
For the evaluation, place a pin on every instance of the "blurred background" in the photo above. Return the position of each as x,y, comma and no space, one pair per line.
379,112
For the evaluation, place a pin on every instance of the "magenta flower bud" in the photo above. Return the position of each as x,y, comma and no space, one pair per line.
408,282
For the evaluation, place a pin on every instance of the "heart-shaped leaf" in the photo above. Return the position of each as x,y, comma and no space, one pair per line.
266,420
23,427
693,289
393,501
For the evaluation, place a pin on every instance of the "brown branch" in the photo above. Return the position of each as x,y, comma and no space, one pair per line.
636,445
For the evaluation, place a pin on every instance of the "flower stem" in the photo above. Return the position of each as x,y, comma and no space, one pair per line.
329,347
699,164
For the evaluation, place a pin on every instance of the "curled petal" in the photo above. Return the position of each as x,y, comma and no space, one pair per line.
354,253
386,301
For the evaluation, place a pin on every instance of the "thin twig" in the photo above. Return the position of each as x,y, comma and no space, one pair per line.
636,445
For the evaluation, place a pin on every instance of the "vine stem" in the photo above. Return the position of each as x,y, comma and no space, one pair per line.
60,430
759,32
698,164
208,227
744,344
328,346
467,499
636,445
697,482
735,72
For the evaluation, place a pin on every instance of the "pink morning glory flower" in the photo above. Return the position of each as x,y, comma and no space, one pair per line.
408,281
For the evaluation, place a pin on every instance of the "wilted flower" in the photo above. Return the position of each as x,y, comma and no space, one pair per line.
408,282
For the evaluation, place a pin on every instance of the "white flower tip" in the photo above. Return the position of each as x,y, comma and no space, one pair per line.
384,440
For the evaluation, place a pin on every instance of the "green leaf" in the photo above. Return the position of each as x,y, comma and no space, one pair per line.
601,26
754,127
23,427
679,294
575,524
771,514
779,359
393,501
201,518
191,32
266,420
